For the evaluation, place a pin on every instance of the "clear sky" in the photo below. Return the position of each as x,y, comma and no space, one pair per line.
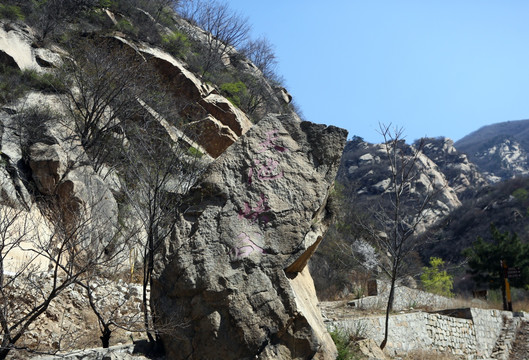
433,67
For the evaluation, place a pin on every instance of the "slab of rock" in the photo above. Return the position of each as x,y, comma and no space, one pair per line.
219,136
371,350
224,121
232,282
15,45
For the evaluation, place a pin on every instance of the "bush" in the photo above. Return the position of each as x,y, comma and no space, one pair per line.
44,82
11,12
14,83
107,3
194,152
343,345
521,195
177,44
10,85
126,26
435,280
234,92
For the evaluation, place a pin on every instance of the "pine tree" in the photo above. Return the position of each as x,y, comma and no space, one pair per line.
484,259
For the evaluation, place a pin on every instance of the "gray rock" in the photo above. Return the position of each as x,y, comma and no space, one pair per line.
15,44
82,188
232,283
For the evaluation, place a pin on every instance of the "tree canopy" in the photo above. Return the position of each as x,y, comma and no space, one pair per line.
436,280
484,259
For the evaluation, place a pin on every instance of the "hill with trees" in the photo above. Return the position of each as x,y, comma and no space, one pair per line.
471,200
500,150
111,110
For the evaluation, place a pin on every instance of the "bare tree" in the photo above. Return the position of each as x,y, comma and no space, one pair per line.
225,28
50,15
158,171
261,52
39,262
102,88
400,212
104,82
99,289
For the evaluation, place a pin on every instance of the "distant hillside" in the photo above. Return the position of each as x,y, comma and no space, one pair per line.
500,150
472,198
505,204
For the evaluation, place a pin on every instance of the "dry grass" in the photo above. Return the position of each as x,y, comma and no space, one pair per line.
430,355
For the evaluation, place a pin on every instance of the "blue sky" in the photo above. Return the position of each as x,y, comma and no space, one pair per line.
433,67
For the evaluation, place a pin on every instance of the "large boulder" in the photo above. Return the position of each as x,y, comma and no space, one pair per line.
232,282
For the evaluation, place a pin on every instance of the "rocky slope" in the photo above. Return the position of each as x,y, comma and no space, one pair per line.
500,150
100,143
365,172
461,174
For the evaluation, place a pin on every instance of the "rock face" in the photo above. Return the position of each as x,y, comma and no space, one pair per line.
508,159
15,46
232,282
499,150
365,169
462,175
216,122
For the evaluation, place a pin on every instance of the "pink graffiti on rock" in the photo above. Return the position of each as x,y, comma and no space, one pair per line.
265,171
255,213
245,247
269,143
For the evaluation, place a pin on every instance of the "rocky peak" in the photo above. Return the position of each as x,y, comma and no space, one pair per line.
499,150
511,157
365,170
462,175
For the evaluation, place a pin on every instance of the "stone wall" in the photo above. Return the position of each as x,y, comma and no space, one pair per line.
121,352
488,325
405,298
472,333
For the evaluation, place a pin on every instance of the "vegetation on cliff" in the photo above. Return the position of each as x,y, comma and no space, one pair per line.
111,109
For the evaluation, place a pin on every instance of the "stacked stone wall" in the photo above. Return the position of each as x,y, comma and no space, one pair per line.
472,338
405,298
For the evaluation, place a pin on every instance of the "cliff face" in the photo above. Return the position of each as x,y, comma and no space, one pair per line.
100,146
462,175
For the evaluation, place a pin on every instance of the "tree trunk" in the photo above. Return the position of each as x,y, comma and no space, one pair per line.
389,307
105,337
4,351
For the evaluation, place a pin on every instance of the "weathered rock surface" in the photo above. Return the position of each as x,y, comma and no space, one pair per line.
48,165
224,122
15,46
232,282
462,175
365,169
499,150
